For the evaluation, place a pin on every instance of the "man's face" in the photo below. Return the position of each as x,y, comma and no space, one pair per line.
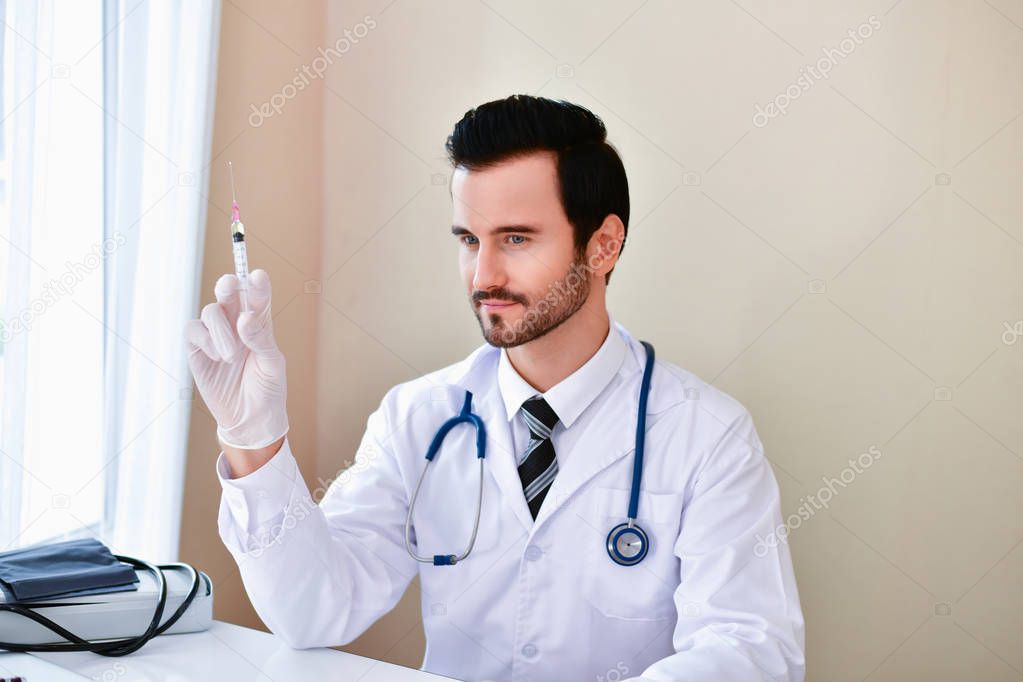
516,249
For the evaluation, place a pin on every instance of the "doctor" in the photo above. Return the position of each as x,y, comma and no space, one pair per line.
545,550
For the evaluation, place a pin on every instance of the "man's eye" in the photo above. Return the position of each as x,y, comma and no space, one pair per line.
464,239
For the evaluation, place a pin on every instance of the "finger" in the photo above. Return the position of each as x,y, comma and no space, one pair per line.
255,327
259,290
226,291
198,337
224,339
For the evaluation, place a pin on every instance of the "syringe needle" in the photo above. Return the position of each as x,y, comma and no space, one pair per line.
230,169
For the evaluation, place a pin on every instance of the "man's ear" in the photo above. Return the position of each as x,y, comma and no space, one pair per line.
605,245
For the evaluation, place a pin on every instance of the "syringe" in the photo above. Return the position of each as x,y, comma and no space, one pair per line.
241,257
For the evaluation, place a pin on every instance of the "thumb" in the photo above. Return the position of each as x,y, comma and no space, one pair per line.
255,326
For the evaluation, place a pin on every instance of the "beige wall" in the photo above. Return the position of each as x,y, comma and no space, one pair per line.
844,270
278,171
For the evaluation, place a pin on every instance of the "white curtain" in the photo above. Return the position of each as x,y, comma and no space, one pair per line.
53,209
164,64
108,110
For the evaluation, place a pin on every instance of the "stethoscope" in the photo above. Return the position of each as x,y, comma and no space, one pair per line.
627,543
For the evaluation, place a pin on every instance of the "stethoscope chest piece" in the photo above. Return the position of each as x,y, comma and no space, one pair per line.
627,544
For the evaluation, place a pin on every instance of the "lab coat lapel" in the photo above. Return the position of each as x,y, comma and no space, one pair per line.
501,459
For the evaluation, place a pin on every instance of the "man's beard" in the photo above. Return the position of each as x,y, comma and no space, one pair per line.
565,296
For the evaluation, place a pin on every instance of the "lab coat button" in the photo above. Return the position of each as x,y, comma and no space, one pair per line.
533,553
529,651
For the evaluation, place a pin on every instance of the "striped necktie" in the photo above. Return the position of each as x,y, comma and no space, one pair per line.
538,465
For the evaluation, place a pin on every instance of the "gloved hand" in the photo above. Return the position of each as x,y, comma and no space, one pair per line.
237,366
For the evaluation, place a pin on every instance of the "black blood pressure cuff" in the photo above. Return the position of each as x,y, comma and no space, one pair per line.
63,569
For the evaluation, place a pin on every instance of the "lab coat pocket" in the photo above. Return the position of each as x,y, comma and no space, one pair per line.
644,591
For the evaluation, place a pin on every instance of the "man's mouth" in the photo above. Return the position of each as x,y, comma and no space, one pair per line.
496,305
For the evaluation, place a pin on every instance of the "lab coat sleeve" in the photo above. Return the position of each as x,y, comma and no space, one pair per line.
739,616
253,501
320,571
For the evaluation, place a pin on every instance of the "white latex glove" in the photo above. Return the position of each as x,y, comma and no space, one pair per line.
237,366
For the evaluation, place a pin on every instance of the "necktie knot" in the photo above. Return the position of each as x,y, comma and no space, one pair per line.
540,417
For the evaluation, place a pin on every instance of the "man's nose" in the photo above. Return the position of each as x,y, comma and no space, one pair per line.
489,269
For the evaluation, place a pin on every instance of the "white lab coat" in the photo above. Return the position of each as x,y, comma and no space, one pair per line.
536,600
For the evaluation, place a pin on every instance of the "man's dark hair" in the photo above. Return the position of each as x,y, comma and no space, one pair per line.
590,172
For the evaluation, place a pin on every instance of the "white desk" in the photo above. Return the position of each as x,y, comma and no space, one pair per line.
228,652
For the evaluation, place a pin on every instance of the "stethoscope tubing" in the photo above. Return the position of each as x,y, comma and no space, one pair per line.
465,416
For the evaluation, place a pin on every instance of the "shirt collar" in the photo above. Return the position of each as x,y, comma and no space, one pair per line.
574,393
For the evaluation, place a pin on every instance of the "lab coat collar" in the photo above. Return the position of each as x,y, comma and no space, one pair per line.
574,393
610,438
